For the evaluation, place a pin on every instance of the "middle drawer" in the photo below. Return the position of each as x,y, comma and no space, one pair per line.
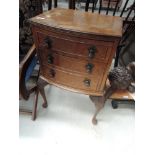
70,63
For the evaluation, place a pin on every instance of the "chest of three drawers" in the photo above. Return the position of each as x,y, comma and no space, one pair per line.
75,51
78,63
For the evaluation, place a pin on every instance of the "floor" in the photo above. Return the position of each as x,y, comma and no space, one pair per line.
66,126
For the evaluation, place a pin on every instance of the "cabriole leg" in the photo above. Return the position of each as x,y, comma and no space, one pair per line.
99,104
41,84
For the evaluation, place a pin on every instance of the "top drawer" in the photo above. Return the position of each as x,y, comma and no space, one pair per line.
76,46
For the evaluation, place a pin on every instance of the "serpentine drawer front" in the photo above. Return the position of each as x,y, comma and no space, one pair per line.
76,81
75,48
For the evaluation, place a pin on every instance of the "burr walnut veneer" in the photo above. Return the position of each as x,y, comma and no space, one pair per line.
75,49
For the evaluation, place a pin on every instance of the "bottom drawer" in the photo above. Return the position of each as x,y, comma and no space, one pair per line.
69,79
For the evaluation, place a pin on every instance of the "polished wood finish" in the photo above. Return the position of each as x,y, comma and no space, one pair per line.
68,44
84,22
75,49
67,63
99,102
76,81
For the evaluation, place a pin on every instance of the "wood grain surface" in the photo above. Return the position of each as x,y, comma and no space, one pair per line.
69,41
85,22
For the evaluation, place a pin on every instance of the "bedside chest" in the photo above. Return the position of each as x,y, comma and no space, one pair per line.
75,49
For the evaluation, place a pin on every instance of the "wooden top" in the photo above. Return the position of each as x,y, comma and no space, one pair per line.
85,22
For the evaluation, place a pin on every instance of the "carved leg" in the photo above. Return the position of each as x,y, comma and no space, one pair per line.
35,105
41,84
99,104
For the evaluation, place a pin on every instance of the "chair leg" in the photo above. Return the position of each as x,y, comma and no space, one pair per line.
41,84
34,112
114,104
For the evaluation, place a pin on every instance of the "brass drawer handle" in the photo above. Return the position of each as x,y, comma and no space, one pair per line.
50,59
87,82
89,67
91,52
48,42
52,73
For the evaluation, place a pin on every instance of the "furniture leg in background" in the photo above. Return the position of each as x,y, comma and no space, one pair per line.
115,102
41,84
34,111
121,97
